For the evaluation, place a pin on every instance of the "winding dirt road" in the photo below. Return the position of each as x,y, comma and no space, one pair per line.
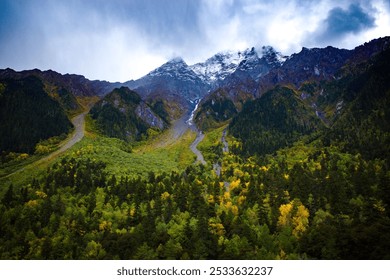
194,149
78,134
178,129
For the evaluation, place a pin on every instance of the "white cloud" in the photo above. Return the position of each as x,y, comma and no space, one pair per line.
119,40
117,54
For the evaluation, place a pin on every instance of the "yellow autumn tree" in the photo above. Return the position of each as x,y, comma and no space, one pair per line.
216,227
165,196
285,214
296,215
300,220
235,184
105,225
234,210
211,199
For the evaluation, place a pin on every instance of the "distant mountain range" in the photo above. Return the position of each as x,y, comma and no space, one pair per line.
265,66
222,84
303,71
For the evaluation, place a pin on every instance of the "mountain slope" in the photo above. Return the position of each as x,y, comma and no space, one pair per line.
319,64
219,107
216,68
276,120
77,85
173,78
254,63
308,65
236,84
172,86
311,72
123,114
364,124
28,115
180,85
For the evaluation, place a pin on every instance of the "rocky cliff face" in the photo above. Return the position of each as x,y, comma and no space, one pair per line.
308,65
123,114
319,64
145,113
173,79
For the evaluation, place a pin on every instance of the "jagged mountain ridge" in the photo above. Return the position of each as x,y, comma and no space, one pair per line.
255,63
193,82
305,70
241,75
318,64
78,85
180,85
264,65
174,78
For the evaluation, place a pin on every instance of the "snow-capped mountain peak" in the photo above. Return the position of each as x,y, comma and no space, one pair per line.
272,56
173,65
218,67
223,69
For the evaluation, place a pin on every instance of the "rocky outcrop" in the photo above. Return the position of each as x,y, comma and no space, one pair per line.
145,113
308,65
123,114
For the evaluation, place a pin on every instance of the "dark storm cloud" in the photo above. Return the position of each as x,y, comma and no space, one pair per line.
341,22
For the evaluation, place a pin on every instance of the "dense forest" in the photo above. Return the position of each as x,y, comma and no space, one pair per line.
277,119
28,114
331,205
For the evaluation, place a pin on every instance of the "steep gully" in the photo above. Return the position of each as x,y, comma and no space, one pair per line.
225,147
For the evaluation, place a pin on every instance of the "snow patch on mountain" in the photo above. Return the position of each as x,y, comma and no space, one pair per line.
225,69
255,61
218,67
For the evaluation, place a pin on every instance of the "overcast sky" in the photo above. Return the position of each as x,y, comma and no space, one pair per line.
119,40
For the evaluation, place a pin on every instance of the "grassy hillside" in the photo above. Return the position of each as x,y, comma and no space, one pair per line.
123,159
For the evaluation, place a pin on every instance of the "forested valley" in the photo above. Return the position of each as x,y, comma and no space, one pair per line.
292,185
